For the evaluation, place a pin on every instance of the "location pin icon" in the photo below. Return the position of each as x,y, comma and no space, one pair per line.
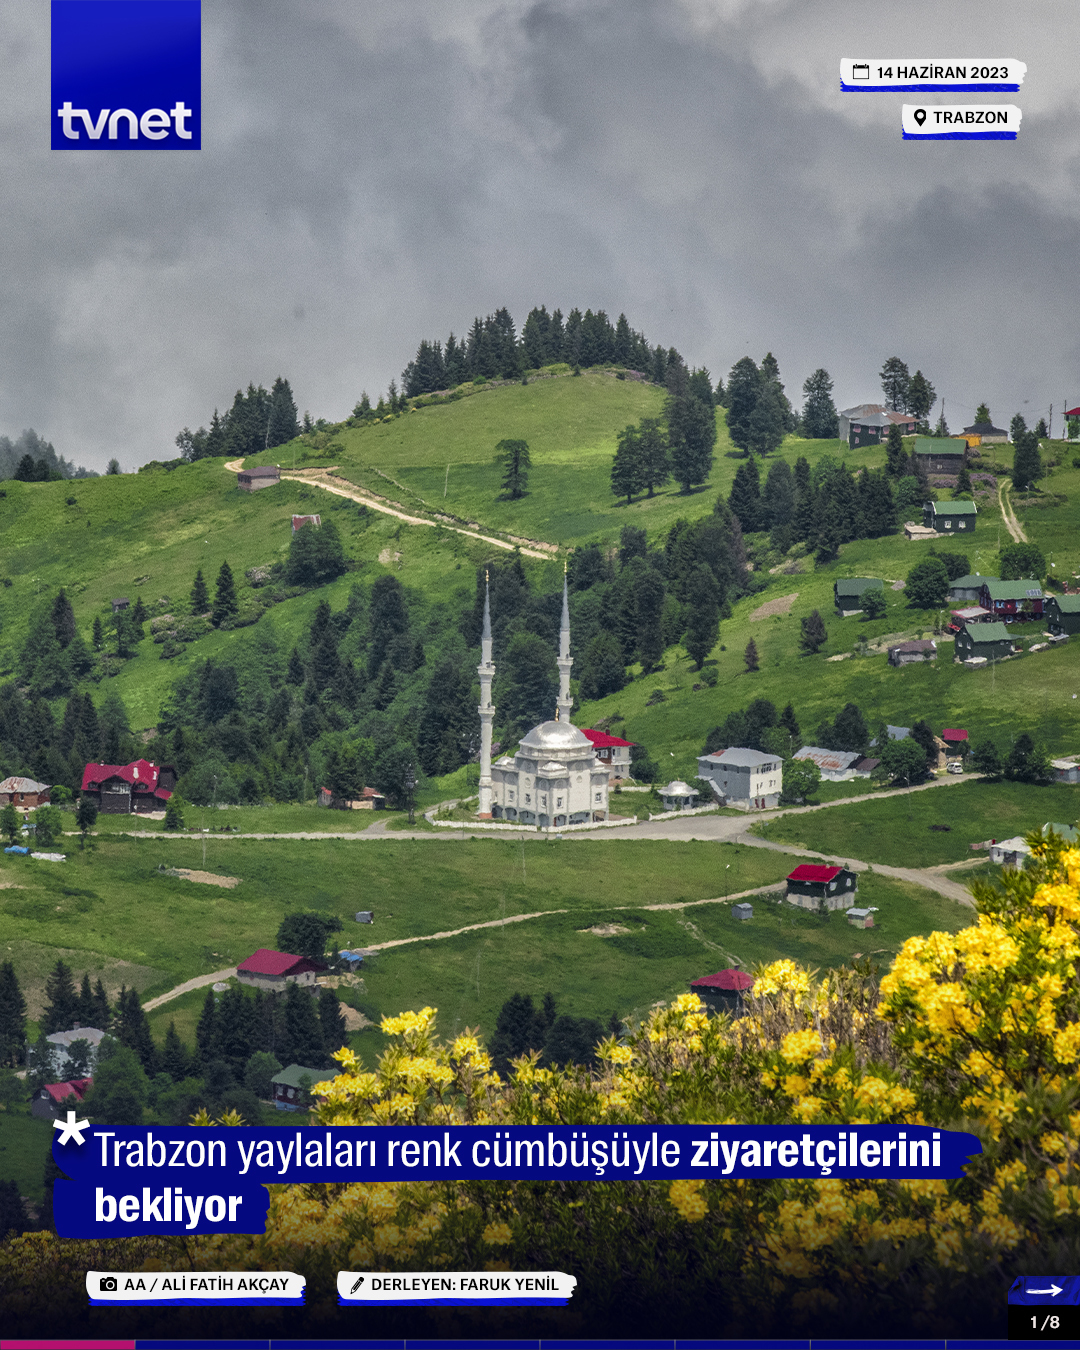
920,115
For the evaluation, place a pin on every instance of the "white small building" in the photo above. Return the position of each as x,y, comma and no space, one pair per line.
1010,852
838,766
1066,770
678,796
749,780
62,1041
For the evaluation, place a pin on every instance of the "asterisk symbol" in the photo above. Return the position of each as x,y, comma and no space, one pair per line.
71,1128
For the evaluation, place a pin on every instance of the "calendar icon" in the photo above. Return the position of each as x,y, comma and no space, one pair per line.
860,72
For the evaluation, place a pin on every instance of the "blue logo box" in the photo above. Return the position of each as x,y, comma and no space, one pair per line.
126,75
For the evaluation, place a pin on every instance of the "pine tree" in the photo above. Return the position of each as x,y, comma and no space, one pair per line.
1027,462
98,638
742,392
101,1015
12,1018
653,454
819,417
86,1003
896,459
895,382
282,425
301,1034
331,1021
814,633
790,724
63,1007
603,670
63,618
649,594
963,483
767,424
225,603
206,1033
200,596
778,496
703,628
750,656
132,1029
515,460
921,396
745,498
805,517
626,469
830,532
982,414
175,1060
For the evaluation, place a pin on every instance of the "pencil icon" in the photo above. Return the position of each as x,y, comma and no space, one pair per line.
356,1286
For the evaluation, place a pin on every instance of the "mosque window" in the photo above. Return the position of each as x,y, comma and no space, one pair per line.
559,802
599,796
528,796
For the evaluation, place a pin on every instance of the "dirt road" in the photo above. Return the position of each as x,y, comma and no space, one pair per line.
1009,515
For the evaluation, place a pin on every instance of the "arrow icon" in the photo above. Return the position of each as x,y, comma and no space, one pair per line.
1054,1290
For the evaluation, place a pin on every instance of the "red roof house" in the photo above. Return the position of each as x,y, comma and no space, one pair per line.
724,990
48,1099
612,752
822,886
138,786
268,969
954,736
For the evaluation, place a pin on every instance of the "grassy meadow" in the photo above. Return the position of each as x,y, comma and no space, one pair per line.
901,832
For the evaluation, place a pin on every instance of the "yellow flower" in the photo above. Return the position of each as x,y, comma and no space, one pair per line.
498,1234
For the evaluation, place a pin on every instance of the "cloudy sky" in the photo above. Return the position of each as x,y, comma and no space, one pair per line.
377,171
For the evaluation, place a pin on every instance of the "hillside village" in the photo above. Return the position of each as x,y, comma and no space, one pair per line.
608,717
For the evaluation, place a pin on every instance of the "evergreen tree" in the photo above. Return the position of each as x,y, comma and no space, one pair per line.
703,628
282,425
200,596
63,619
12,1018
626,469
1027,462
1042,431
101,1014
649,595
301,1036
175,1060
225,602
515,460
85,1015
120,1090
653,456
877,508
13,1216
778,503
700,385
921,396
750,656
767,424
814,633
743,389
131,1029
447,724
963,483
985,759
63,1000
1026,764
830,532
98,638
852,733
982,414
790,724
527,684
895,382
331,1021
388,618
603,671
896,459
206,1032
819,417
691,428
942,427
745,498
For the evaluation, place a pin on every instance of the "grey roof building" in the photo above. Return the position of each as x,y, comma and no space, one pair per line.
747,779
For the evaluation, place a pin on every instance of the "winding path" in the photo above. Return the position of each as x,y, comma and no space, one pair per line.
321,478
1009,515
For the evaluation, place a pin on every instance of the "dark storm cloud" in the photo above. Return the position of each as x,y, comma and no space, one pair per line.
375,173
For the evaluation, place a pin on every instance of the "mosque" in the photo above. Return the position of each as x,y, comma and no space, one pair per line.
555,778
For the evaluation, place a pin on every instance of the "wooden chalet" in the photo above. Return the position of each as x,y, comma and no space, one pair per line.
950,517
1012,600
369,800
252,480
52,1100
1062,616
986,641
724,991
267,969
23,792
821,887
848,592
908,653
288,1084
941,454
966,590
139,786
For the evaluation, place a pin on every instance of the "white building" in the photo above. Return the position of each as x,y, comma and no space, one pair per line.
555,778
678,796
747,779
62,1041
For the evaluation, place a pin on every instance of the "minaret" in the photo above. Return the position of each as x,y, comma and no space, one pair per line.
565,660
486,671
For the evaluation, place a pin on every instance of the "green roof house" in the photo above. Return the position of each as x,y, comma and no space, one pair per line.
950,517
990,641
966,590
1062,613
940,454
849,591
287,1084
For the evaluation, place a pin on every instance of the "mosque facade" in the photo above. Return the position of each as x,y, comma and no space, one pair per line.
555,778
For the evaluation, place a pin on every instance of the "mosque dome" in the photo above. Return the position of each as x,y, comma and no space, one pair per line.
555,736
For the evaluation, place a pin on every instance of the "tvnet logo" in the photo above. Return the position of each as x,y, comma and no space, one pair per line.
126,74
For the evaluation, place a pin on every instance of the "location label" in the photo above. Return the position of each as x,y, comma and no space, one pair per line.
960,121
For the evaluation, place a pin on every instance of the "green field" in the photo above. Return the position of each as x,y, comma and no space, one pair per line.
898,832
24,1143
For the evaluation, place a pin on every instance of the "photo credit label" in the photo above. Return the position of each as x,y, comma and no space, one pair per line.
960,121
126,75
877,75
193,1288
543,1288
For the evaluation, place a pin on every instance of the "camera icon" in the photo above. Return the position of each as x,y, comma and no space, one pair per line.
107,1284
